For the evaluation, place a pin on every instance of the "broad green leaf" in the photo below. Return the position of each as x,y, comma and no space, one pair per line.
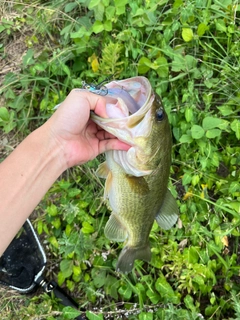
105,3
189,302
213,133
99,277
98,27
108,25
234,187
211,122
234,205
70,284
178,63
235,126
165,290
4,115
187,34
226,110
66,266
220,25
40,67
198,279
163,287
162,65
186,63
56,223
93,3
195,179
80,33
73,192
214,222
66,69
188,114
197,132
52,210
153,296
176,133
99,12
187,178
111,286
70,313
70,6
145,316
120,3
190,62
53,241
109,12
28,58
210,310
93,316
125,291
191,254
77,270
40,227
120,6
202,28
61,278
185,138
120,10
87,228
224,3
144,65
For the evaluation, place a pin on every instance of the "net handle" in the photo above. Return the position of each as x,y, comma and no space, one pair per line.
52,286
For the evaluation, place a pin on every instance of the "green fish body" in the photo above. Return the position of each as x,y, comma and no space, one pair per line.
137,179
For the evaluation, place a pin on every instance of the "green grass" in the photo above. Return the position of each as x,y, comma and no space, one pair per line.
190,51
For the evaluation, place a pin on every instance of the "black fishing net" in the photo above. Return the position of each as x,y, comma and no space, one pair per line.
23,262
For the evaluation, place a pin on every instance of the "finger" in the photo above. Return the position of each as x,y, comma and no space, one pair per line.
95,102
103,135
112,144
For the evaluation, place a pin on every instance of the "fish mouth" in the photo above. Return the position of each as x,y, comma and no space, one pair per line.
126,97
128,107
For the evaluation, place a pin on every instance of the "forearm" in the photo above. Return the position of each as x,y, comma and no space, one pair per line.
25,176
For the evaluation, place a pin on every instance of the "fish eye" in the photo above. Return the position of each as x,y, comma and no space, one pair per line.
159,114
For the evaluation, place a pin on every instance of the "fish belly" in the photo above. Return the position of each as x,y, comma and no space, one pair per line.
132,217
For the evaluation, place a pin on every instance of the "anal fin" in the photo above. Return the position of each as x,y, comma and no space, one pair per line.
168,213
115,230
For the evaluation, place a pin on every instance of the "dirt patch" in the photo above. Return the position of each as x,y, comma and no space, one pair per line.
12,57
8,142
14,46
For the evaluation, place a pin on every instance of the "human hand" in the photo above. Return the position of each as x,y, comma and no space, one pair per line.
77,135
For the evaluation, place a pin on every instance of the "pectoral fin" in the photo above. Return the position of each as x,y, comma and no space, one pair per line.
168,213
115,230
102,170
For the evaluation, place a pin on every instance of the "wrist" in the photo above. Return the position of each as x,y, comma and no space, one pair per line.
51,151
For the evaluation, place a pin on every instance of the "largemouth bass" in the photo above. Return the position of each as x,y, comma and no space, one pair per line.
137,179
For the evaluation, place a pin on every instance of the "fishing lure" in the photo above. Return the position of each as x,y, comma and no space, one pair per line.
99,89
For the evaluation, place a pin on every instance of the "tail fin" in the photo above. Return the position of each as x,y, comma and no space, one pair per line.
129,255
